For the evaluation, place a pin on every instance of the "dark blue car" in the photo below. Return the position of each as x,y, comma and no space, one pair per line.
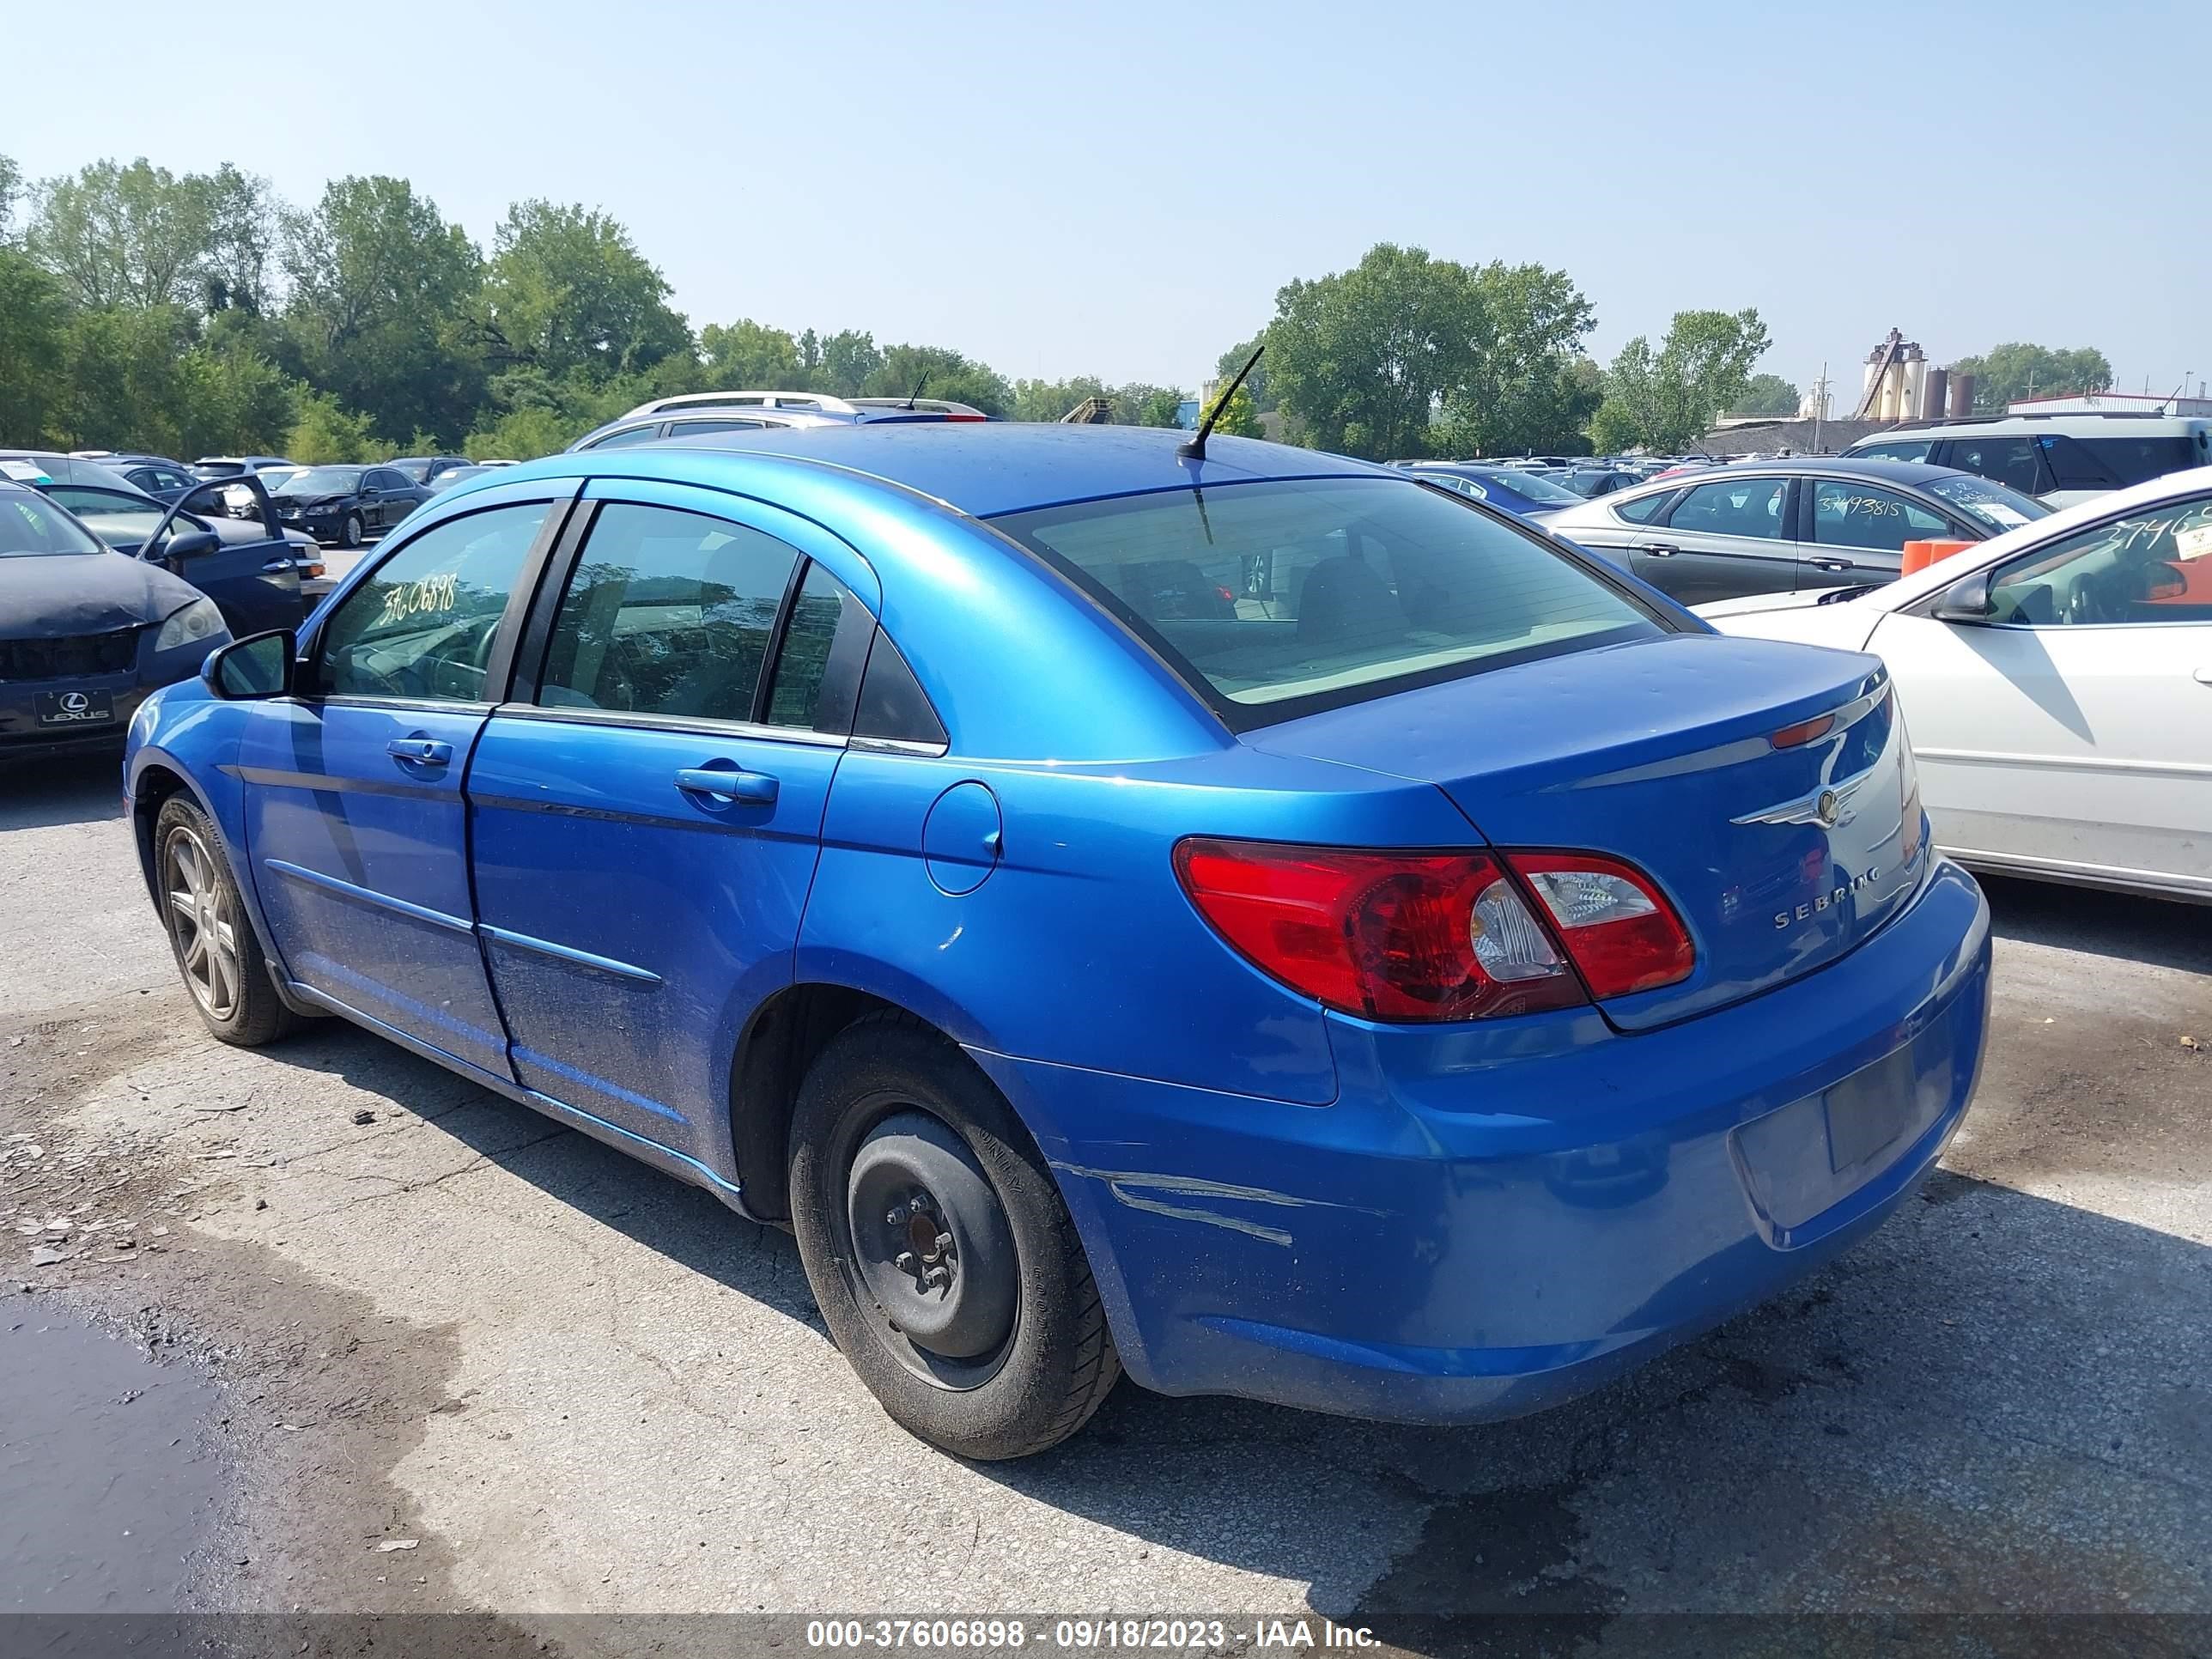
1527,494
1255,921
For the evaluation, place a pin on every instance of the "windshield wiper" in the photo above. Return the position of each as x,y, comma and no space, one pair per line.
1837,595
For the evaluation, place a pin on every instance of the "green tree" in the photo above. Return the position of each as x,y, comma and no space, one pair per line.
1766,394
1666,400
382,313
1524,391
141,235
1612,429
33,340
11,187
845,362
1138,404
1366,360
1239,418
750,355
1049,400
325,434
1258,382
234,400
122,378
567,290
2007,373
241,241
939,372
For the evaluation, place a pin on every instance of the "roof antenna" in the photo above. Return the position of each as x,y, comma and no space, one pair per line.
1194,449
916,392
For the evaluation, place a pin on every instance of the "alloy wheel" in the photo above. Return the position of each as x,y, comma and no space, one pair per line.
206,934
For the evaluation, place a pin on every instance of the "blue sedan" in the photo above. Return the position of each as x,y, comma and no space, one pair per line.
1248,919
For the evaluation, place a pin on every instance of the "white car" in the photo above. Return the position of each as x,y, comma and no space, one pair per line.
2057,682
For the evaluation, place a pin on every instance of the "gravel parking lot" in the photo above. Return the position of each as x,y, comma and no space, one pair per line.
386,1306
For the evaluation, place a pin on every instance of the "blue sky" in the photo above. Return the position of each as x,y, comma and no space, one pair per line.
1120,190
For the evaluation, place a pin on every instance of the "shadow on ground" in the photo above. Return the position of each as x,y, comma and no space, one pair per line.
45,794
2157,932
1994,1406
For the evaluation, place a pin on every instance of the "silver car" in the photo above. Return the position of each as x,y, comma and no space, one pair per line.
1783,526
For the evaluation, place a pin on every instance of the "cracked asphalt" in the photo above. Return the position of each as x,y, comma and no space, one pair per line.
398,1308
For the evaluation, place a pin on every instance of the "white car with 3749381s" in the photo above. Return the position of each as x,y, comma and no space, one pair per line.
2057,684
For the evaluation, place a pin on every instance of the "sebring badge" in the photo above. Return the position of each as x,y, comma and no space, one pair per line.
1813,906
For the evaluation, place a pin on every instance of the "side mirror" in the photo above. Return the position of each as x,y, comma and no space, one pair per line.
1966,600
192,544
259,665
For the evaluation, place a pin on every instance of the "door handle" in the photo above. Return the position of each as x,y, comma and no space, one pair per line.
1658,550
420,751
277,567
1833,564
725,783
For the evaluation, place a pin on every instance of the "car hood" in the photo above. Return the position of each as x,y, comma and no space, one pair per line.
44,597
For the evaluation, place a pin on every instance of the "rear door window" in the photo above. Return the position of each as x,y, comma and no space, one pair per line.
1848,513
668,613
2016,461
1645,509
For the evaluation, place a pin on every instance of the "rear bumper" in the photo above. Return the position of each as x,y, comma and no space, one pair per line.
1487,1222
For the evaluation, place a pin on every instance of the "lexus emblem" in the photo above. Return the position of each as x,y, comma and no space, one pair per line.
75,703
1828,809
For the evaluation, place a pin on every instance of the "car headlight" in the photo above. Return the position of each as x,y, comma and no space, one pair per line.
197,621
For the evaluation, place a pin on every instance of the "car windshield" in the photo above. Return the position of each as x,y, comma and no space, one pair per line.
1534,486
31,525
1998,506
1281,597
322,481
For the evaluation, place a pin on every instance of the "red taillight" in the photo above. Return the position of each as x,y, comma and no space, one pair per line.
1617,926
1227,598
1391,936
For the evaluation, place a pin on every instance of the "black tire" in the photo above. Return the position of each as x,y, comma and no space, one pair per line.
890,1095
349,532
217,952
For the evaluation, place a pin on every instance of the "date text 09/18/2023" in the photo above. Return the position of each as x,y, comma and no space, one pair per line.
1096,1635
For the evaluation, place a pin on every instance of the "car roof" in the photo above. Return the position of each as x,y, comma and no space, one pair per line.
2116,424
984,468
1916,473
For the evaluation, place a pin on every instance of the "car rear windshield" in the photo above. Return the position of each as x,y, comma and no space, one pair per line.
1999,507
30,524
322,481
1533,486
1279,598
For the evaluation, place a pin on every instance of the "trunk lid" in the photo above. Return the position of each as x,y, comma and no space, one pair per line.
1661,752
